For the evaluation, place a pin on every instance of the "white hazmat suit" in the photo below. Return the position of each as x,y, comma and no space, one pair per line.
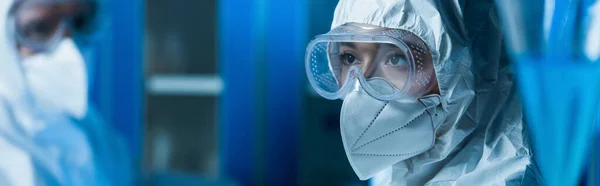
48,136
482,140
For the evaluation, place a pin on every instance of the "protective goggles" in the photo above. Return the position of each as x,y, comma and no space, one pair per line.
41,24
389,64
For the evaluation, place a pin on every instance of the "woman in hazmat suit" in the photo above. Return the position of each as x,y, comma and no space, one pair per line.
428,96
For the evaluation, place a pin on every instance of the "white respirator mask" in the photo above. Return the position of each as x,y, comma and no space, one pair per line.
378,134
58,79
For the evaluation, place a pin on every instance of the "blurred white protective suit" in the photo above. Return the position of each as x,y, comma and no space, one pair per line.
43,100
482,140
16,167
37,148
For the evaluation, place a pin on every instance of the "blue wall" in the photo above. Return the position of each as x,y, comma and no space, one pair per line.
261,51
117,88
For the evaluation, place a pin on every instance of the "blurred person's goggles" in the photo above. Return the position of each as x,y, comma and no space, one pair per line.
388,64
41,24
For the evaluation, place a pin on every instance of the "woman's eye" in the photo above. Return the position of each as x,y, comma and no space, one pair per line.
396,59
37,31
349,59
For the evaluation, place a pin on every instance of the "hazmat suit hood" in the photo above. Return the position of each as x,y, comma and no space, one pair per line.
13,100
482,141
12,83
26,132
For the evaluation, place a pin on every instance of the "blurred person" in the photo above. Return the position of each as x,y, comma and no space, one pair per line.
49,133
428,98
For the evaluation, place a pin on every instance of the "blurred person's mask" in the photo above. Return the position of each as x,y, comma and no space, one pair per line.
58,79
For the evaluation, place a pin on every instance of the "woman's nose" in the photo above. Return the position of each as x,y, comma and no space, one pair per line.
368,68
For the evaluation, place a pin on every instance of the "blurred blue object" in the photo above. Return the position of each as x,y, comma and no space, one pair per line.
284,88
113,159
261,42
111,163
113,123
238,103
594,171
125,72
112,154
556,45
71,152
560,114
114,126
61,154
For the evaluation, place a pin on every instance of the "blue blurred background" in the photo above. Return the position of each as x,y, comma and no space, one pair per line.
213,92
